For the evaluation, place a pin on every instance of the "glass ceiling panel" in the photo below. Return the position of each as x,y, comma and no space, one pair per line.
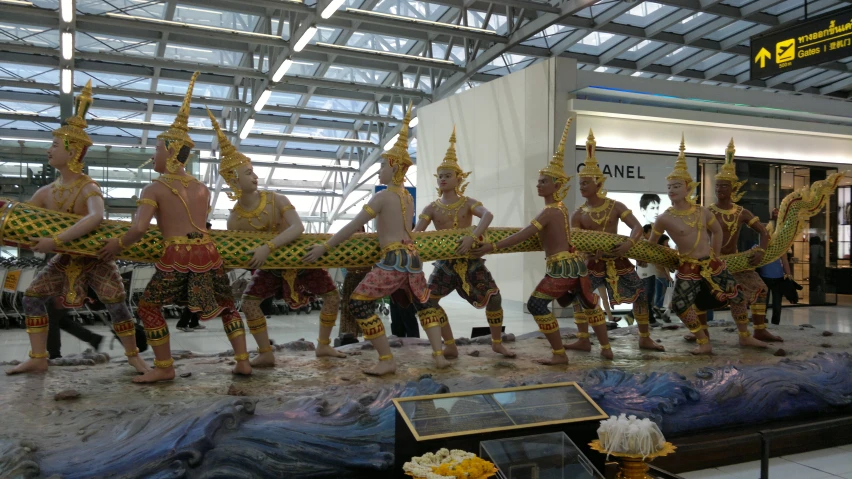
258,142
738,3
27,34
327,103
784,7
358,75
283,98
676,56
412,9
104,114
639,50
596,9
212,17
439,50
645,14
128,7
712,61
497,23
293,174
112,131
308,146
380,42
285,30
595,43
20,107
326,35
691,23
29,72
303,68
112,80
200,89
729,30
87,42
738,69
197,54
408,82
328,133
549,37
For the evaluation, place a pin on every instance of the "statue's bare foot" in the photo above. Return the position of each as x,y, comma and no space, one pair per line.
382,368
451,351
441,362
750,342
606,353
32,365
325,350
703,349
139,364
648,343
500,349
263,360
553,360
579,345
765,335
155,375
243,368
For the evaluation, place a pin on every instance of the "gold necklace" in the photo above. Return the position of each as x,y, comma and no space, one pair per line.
606,207
685,215
59,191
185,180
730,218
561,207
451,209
399,190
256,213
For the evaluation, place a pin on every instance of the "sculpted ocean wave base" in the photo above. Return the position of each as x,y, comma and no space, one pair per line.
20,221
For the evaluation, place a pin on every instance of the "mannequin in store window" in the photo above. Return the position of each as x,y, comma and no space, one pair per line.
399,274
610,268
190,271
264,211
470,278
701,276
732,218
566,279
67,278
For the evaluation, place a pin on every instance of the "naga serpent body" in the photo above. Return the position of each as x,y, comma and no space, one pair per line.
20,221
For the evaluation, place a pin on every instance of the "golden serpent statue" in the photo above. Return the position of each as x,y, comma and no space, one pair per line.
21,221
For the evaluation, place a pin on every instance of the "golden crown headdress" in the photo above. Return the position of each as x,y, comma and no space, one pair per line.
451,162
556,168
590,168
229,159
681,170
728,172
178,132
73,130
398,155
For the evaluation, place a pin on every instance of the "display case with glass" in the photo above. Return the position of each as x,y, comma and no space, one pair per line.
539,456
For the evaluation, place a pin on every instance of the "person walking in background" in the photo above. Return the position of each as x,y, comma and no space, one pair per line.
404,321
774,274
58,318
664,280
647,273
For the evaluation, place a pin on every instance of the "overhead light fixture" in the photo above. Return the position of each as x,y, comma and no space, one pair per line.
262,99
414,121
17,2
332,7
279,73
66,80
66,7
306,37
635,74
247,129
67,45
392,141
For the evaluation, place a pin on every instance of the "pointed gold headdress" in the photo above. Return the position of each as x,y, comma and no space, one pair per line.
590,167
73,130
177,135
728,172
451,162
681,170
229,159
398,155
556,168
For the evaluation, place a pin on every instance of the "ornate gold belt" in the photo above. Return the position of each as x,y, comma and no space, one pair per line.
562,256
399,246
184,240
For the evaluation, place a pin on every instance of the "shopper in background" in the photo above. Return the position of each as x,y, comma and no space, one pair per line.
647,273
404,321
664,280
58,318
774,274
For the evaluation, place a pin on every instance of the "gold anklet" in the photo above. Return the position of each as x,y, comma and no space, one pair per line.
166,364
241,357
386,357
39,355
582,335
324,342
133,353
744,334
450,342
558,352
606,346
437,353
702,341
496,341
644,335
264,350
760,326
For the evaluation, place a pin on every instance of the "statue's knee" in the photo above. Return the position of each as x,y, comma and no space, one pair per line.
495,303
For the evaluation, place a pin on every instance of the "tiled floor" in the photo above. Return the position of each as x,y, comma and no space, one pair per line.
14,343
830,463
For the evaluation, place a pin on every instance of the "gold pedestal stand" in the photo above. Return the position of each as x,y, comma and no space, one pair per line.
634,466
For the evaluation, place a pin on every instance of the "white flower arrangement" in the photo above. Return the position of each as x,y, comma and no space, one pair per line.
629,435
421,466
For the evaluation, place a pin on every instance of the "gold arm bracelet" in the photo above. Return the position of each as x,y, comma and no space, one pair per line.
625,214
754,220
147,201
425,217
56,239
654,230
712,220
326,246
473,206
121,243
270,245
370,211
537,225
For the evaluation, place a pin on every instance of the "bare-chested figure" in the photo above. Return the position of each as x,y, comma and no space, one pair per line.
701,273
400,271
268,211
610,268
566,278
470,278
190,272
733,218
69,277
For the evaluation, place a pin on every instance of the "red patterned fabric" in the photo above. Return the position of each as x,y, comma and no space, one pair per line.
185,258
598,267
752,285
307,283
402,287
68,278
565,290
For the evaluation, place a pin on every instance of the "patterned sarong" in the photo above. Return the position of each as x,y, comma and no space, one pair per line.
469,278
295,286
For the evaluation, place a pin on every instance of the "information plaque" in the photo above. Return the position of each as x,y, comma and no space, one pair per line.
462,420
